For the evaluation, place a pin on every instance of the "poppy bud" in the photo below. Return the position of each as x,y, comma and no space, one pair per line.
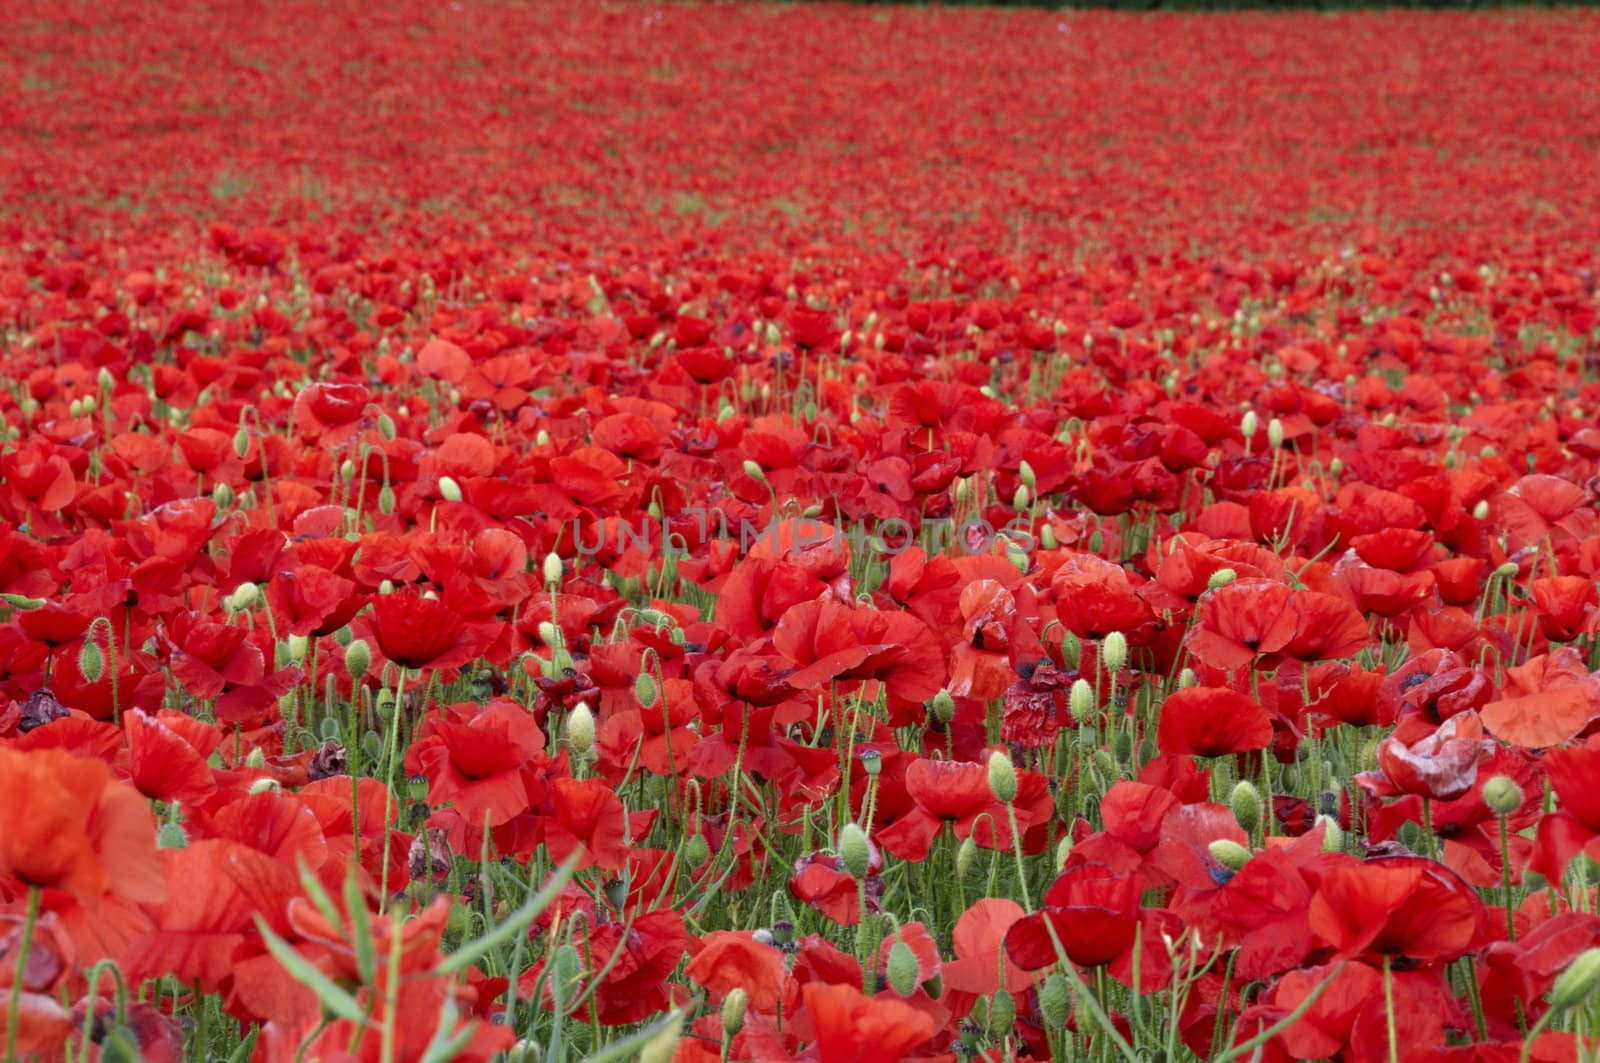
1047,538
386,586
329,729
172,836
542,439
1275,432
1229,853
1019,500
1002,777
1221,578
963,489
1029,480
1502,795
942,707
385,426
1002,1014
76,408
1081,700
386,500
357,659
1055,1000
549,634
645,689
698,850
580,728
222,495
1332,836
91,662
855,851
241,442
1578,982
1248,424
298,646
1481,510
1187,679
966,856
734,1006
754,471
245,596
1246,804
1114,651
21,601
1369,754
1063,851
1507,570
449,490
526,1052
1071,651
664,1045
1336,468
552,570
1016,554
902,969
265,786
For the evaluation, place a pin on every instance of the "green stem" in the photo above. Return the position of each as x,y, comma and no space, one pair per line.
13,1016
1388,1001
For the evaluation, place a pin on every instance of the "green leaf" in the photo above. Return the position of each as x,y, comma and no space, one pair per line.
628,1046
517,922
334,999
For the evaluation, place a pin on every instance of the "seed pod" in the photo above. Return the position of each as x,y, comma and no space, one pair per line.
855,851
1002,777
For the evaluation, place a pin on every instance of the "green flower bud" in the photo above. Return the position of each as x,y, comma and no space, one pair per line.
91,662
1332,836
1275,432
1502,795
698,850
1029,480
222,495
734,1006
754,471
1246,804
241,443
1047,538
386,500
329,729
172,836
1248,424
1481,510
1071,651
552,570
1221,578
386,426
1002,1014
298,646
265,786
1577,983
1002,777
1063,851
580,728
357,659
1081,700
21,601
449,490
1055,1001
1114,652
902,969
966,856
1187,679
245,596
645,689
942,707
1020,500
855,851
1229,853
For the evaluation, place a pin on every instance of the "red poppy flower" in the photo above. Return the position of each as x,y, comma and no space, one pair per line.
481,760
1093,911
847,1026
418,632
1212,722
1400,906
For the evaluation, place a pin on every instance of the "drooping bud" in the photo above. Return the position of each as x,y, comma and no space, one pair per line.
1055,1001
1246,804
386,426
91,662
1002,777
1047,538
1114,652
580,728
645,689
1578,982
357,659
1187,679
241,443
1229,853
755,471
449,490
1221,578
1502,795
902,969
855,851
734,1005
222,495
386,500
942,707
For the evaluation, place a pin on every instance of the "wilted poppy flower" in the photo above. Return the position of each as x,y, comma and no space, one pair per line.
1441,765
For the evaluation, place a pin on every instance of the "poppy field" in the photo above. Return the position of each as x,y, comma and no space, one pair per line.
594,531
